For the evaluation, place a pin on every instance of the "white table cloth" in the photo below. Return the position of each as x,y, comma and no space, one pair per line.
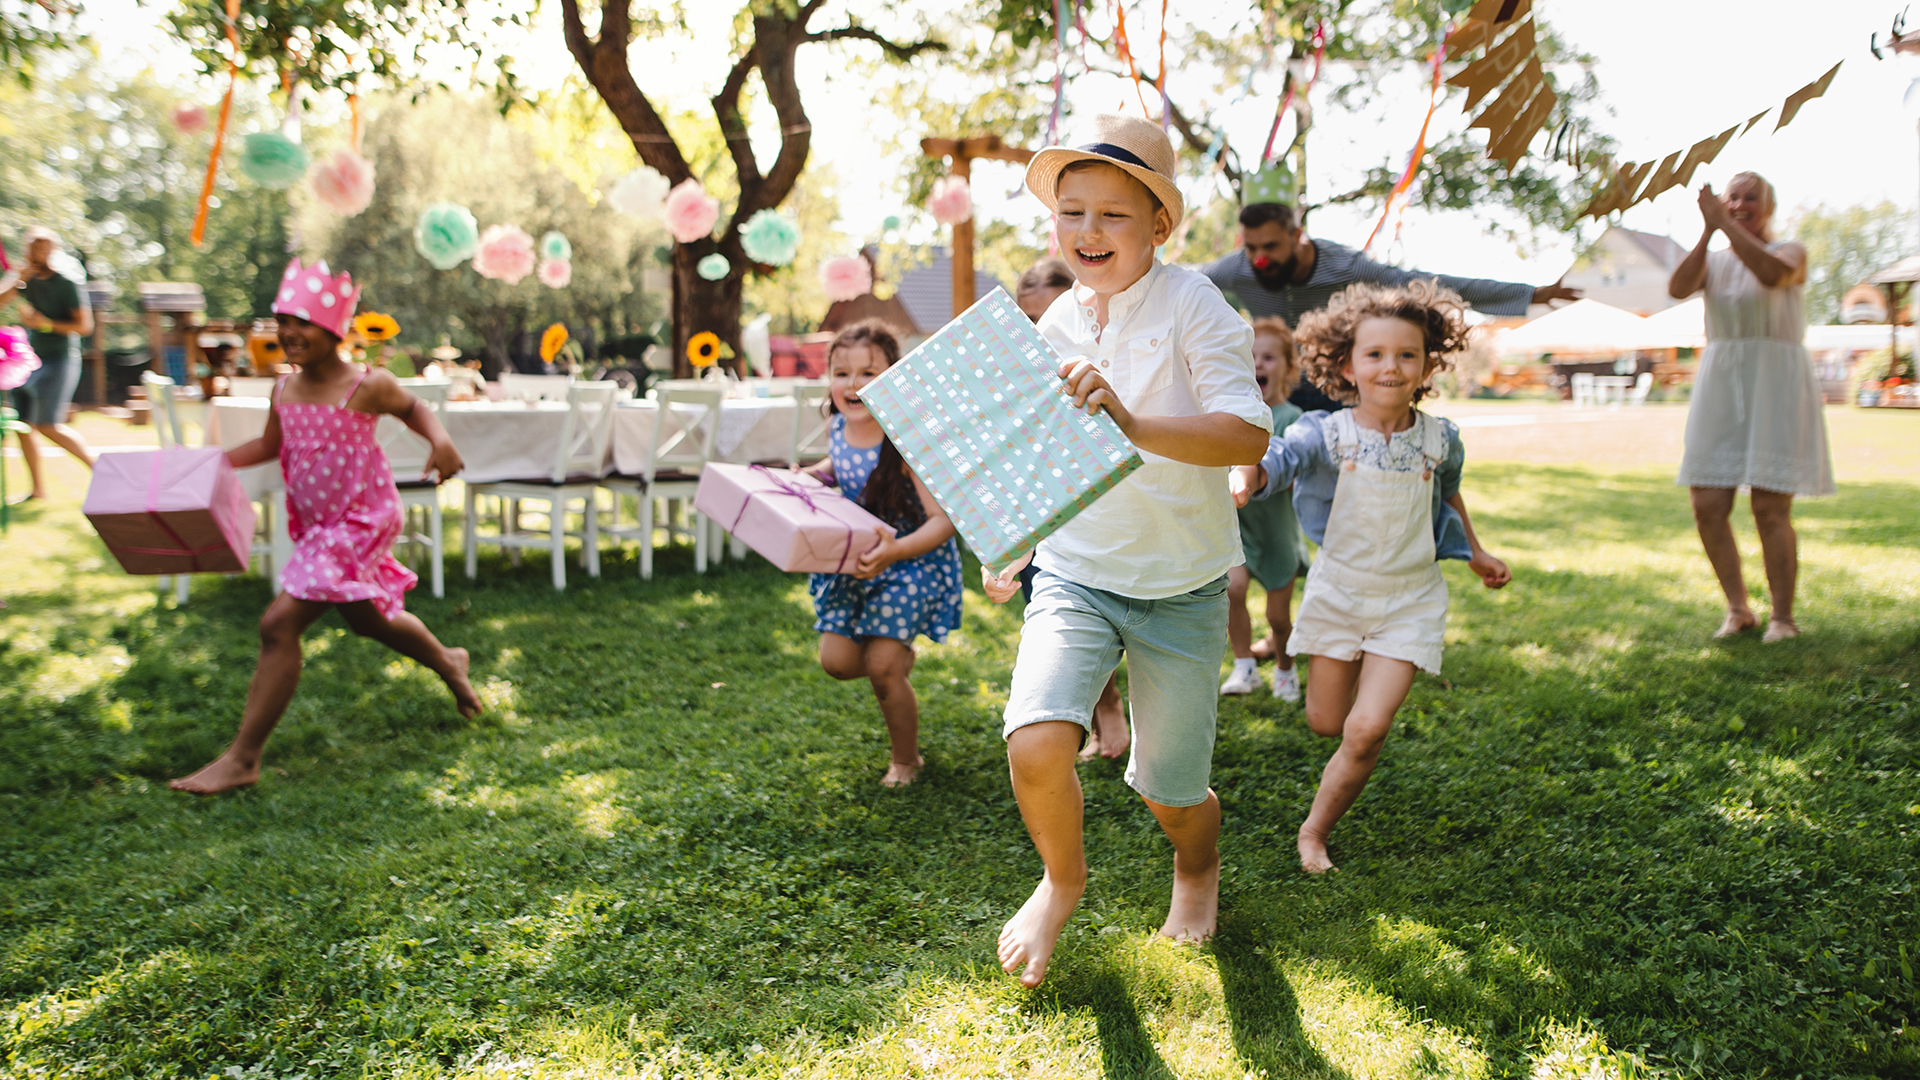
751,429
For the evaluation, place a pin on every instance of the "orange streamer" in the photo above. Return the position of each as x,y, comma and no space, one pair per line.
353,100
1120,38
1401,186
199,234
1166,106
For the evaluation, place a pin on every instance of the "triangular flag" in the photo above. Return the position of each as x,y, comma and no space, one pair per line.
1703,152
1500,115
1609,198
1481,76
1510,147
1664,177
1757,117
1478,27
1805,94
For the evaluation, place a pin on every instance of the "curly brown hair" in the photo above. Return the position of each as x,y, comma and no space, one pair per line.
1323,341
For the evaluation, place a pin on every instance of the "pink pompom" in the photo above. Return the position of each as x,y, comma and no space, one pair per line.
17,358
556,273
951,202
505,254
846,277
691,212
344,183
189,118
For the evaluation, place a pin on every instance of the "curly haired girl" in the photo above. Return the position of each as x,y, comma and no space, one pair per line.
1378,487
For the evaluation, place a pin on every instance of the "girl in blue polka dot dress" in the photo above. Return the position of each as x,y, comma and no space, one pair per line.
909,584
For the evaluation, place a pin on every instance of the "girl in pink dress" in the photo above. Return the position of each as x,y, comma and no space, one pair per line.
343,512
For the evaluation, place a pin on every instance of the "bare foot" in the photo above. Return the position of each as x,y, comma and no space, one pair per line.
1091,748
1029,937
1735,624
1780,630
1195,908
464,698
900,774
223,773
1313,853
1110,725
1264,649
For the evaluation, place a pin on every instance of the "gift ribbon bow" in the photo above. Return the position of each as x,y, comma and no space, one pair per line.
784,486
153,511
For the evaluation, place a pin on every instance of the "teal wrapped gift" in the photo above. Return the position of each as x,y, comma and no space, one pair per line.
980,414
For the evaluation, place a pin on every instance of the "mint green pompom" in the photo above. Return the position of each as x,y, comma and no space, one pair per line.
554,245
713,267
446,234
770,239
272,160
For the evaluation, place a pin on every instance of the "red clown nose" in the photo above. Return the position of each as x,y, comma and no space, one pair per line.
1261,262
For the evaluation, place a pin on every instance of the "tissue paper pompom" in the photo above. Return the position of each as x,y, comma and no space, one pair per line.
17,358
556,273
846,278
951,202
890,222
640,193
505,254
770,239
691,212
344,183
554,245
189,119
713,267
272,160
446,234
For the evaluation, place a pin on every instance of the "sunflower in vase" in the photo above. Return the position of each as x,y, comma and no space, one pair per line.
370,332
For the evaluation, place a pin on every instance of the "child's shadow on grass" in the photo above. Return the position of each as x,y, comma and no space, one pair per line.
1263,1012
1126,1047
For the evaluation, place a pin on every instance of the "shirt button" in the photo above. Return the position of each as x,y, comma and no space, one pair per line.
1103,363
1151,342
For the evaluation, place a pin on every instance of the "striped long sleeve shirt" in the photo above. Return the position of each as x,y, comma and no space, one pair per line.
1337,266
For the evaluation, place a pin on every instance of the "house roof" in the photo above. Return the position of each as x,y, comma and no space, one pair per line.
1661,249
928,292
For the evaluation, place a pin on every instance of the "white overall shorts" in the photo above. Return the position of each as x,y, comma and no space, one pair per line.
1375,585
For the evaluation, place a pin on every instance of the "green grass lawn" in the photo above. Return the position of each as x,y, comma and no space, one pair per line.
1602,846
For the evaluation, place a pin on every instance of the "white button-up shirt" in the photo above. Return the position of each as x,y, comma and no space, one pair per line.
1172,347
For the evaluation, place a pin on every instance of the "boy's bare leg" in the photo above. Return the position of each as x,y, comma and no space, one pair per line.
1279,624
1040,759
1111,736
1195,833
274,682
408,636
1239,623
1382,686
30,455
1712,516
889,661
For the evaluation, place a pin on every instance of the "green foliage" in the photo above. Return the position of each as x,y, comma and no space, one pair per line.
442,148
97,158
29,28
1844,245
1602,847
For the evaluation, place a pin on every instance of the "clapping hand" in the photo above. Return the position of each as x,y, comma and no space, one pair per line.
1712,208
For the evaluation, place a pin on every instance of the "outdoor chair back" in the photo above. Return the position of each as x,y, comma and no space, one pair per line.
589,428
162,395
517,387
694,414
407,452
810,423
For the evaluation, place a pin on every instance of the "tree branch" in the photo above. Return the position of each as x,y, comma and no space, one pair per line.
856,32
603,59
726,110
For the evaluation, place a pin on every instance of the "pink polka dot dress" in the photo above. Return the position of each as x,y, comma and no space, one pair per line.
343,510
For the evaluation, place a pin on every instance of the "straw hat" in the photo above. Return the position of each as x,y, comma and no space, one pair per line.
1131,143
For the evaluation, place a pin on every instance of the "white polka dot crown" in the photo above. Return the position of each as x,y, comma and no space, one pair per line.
314,294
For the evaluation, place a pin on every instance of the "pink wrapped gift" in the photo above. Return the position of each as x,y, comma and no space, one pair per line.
794,520
171,511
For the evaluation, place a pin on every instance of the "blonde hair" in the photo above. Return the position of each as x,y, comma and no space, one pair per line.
1325,337
1271,326
1766,190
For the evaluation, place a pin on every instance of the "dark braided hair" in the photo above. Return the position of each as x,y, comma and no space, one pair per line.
890,494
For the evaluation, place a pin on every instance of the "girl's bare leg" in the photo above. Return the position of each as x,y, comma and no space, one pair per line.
30,454
273,684
408,636
1195,833
69,440
1040,758
1713,517
1279,623
888,662
1780,550
1373,697
842,657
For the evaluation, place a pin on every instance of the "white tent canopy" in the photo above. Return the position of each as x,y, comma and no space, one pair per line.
1584,327
1683,326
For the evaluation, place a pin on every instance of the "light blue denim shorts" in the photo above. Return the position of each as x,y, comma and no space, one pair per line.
1073,638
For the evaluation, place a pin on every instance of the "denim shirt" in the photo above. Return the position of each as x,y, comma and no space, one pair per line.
1299,456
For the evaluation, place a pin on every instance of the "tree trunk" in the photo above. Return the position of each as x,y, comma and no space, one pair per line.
700,305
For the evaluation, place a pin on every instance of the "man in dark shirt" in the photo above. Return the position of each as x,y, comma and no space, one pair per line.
56,316
1278,271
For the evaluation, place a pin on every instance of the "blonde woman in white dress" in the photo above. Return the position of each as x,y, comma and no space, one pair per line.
1755,420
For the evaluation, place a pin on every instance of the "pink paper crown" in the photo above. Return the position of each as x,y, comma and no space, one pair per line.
313,294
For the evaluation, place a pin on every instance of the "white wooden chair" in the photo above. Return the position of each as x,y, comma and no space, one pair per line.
517,387
810,423
578,464
1642,386
406,452
673,469
1583,389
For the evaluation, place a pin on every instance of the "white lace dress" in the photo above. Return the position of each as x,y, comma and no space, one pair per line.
1755,418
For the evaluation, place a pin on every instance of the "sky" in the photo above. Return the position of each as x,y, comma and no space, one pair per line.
1671,72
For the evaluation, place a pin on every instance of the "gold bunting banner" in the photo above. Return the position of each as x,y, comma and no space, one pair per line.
1510,147
1805,94
1484,23
1481,76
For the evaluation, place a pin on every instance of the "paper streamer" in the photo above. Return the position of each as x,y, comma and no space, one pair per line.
1286,101
199,234
1401,186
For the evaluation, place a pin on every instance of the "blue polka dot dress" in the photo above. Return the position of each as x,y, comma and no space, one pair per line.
910,598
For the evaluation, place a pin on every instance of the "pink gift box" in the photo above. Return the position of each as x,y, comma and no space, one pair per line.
792,519
174,511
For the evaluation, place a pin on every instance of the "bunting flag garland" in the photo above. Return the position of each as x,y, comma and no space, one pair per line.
1483,23
1522,108
1319,41
199,233
1480,77
1676,169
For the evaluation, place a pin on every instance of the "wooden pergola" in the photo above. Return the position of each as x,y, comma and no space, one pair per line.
962,152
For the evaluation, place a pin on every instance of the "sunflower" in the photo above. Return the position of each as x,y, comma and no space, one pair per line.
703,349
374,326
552,342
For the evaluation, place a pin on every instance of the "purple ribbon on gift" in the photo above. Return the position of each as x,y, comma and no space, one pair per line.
783,486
